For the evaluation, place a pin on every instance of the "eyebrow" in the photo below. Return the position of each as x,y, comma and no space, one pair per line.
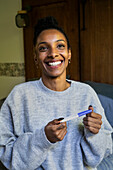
60,40
43,42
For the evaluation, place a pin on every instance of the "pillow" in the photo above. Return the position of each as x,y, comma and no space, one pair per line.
102,88
105,94
107,163
107,104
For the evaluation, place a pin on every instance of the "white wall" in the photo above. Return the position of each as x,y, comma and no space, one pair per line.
11,43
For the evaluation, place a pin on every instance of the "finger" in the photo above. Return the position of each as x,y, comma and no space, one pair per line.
61,133
61,118
61,126
92,124
92,129
95,115
90,108
52,132
92,119
56,121
56,125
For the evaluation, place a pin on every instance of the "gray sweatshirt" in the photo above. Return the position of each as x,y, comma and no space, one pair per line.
25,113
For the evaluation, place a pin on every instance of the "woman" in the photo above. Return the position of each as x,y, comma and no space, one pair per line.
32,135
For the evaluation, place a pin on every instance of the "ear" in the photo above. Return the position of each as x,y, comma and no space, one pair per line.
35,56
69,57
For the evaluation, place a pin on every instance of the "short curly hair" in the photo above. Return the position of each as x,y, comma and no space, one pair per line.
47,23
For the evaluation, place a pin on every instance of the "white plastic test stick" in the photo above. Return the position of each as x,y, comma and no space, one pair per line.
75,116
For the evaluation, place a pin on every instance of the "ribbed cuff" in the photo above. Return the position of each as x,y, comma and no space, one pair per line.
42,140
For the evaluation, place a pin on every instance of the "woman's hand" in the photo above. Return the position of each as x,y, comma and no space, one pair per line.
55,131
92,121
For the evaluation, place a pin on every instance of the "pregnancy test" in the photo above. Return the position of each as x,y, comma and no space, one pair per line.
75,116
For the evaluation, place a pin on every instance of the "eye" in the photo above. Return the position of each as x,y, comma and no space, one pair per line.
43,48
61,46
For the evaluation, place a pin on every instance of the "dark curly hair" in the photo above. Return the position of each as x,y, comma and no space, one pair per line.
48,23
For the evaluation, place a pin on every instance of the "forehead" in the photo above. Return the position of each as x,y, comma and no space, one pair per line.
50,35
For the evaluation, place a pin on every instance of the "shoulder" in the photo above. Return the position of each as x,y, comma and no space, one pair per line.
24,87
80,86
83,91
23,90
22,94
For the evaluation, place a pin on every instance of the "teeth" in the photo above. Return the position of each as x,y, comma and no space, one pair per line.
55,63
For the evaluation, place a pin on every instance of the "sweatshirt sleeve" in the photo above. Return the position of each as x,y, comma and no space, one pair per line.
26,151
97,146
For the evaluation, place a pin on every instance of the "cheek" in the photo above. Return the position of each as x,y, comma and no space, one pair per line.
40,57
66,59
66,56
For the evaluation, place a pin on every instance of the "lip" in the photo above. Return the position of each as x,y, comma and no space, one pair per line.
53,61
52,65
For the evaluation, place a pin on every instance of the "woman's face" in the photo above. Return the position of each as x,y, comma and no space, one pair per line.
52,53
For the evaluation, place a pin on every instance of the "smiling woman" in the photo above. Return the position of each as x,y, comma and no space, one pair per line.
52,54
32,135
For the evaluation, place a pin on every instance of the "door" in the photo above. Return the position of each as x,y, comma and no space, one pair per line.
96,40
66,12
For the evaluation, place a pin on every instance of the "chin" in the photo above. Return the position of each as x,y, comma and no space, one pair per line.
53,76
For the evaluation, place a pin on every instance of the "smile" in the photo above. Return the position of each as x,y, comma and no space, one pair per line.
55,63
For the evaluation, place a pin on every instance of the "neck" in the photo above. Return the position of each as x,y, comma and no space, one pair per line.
56,84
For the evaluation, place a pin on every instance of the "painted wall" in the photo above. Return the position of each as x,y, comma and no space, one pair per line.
11,47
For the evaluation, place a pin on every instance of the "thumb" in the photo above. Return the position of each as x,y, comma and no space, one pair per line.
90,107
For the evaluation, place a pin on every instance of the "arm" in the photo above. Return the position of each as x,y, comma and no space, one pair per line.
97,142
29,149
25,151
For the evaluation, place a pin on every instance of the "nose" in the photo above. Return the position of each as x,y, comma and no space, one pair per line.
53,53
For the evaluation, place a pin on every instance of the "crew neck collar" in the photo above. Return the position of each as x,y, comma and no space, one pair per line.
52,92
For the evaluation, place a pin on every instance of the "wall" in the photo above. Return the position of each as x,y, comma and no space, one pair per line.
11,47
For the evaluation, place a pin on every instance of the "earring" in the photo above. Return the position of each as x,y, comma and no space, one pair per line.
69,61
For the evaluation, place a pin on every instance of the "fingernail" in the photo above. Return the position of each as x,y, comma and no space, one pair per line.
60,118
90,105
